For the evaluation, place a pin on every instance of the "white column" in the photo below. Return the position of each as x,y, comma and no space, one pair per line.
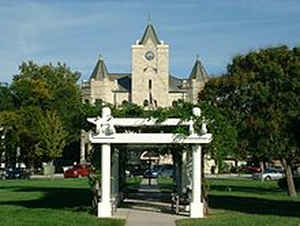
83,140
82,150
115,176
105,207
196,205
184,171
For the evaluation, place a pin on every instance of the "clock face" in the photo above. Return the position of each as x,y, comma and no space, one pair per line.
149,55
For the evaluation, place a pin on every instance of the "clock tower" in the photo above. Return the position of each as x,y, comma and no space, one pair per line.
150,70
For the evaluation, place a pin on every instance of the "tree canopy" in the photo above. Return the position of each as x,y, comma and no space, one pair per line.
260,94
41,111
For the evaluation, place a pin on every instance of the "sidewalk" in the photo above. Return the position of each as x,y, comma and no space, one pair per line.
147,207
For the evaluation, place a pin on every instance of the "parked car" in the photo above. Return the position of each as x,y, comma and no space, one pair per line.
2,174
167,173
136,172
250,169
80,170
151,173
269,174
15,173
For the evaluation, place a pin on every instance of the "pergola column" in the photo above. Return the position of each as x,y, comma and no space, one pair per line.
82,147
184,171
105,205
115,176
196,205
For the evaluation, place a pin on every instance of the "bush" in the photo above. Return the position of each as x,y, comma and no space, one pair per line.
283,184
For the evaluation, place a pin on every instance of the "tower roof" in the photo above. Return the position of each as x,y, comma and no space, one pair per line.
149,34
198,71
100,71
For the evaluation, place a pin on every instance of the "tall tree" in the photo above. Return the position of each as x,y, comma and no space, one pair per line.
261,92
44,110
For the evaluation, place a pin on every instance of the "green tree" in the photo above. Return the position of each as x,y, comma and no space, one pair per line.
51,135
51,87
43,111
261,95
224,141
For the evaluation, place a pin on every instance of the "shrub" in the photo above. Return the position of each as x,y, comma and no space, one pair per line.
283,184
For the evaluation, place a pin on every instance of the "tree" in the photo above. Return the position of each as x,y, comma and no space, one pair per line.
43,111
261,93
51,87
224,141
52,136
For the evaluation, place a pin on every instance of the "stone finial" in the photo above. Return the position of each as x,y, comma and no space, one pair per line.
100,57
197,111
104,125
106,112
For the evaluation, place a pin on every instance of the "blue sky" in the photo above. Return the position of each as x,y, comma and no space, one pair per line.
77,31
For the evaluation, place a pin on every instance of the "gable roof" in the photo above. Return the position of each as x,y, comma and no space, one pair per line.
198,71
149,34
100,71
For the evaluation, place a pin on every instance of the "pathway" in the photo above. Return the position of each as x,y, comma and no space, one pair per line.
147,207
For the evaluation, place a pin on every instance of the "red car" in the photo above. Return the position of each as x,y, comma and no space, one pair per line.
80,170
250,169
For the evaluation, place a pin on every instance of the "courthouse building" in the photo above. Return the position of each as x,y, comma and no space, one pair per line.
149,83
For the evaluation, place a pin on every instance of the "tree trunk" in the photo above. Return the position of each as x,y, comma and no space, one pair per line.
289,178
262,169
204,189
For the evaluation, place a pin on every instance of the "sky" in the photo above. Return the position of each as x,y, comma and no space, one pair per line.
76,32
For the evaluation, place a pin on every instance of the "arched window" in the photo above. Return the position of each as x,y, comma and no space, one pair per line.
146,103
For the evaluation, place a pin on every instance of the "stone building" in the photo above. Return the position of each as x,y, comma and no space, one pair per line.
149,83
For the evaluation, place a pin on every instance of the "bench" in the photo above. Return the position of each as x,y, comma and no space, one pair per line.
179,201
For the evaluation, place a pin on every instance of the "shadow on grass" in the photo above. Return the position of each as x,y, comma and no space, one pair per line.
246,189
254,205
77,199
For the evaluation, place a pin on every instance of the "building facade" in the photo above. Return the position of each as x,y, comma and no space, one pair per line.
149,83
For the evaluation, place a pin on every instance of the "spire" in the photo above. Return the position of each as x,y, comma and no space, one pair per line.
198,71
149,18
100,71
149,33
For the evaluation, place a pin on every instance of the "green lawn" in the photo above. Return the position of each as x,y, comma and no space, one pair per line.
166,184
48,203
250,203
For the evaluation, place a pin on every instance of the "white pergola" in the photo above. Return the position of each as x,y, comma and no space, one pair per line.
106,135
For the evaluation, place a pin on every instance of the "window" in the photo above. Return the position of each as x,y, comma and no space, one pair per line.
98,101
146,103
150,84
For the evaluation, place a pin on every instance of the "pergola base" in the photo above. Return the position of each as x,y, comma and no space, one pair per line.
104,209
196,210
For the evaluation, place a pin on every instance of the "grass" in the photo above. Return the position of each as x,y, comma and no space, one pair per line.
133,181
56,202
166,184
236,202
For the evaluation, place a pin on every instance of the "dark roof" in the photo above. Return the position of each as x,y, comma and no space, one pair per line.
149,33
114,76
175,84
124,84
100,70
198,72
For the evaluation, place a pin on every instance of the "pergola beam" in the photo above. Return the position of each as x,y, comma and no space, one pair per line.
151,138
136,122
